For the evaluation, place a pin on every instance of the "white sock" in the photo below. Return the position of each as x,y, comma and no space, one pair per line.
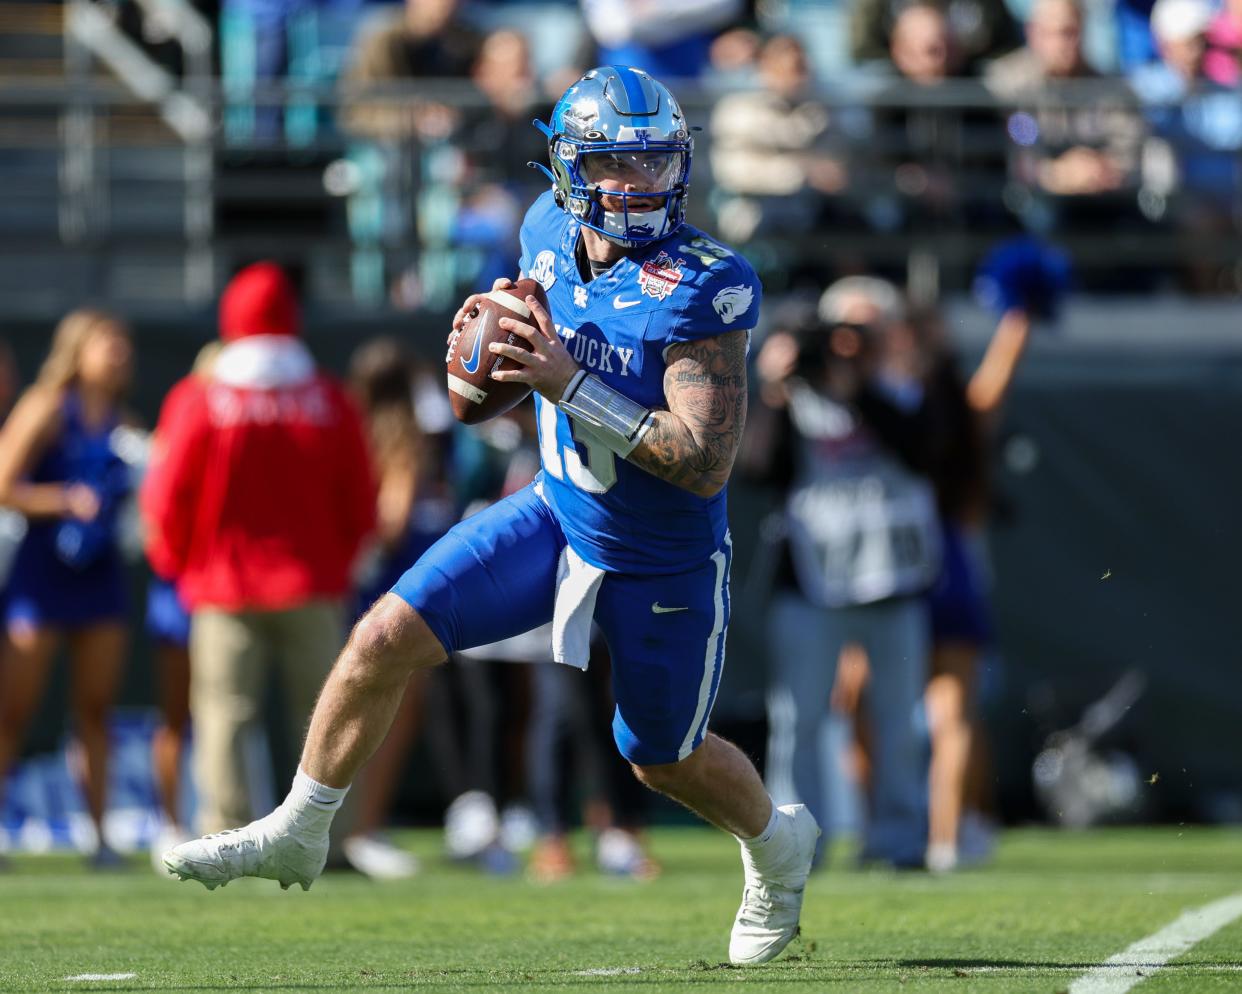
764,837
311,804
769,853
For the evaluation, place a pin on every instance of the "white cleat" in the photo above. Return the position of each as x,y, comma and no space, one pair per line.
772,901
264,848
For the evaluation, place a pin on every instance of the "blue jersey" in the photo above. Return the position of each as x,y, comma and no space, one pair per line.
619,326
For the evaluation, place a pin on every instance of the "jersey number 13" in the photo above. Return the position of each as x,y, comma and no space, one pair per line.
596,475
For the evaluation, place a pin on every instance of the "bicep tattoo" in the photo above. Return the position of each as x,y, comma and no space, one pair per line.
693,444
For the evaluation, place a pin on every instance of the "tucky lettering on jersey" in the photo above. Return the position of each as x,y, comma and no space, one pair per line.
580,296
706,251
732,302
544,269
592,353
660,276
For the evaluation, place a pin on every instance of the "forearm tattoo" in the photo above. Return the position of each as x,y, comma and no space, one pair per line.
692,445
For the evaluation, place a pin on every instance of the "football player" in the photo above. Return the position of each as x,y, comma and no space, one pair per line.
639,373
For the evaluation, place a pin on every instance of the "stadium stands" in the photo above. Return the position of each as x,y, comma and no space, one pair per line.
131,172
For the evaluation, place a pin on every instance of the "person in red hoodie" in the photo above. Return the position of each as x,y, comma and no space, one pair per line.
259,497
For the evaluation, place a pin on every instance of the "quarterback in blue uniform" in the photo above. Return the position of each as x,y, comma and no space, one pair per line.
639,374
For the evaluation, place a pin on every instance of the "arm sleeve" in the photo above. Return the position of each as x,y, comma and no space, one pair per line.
168,495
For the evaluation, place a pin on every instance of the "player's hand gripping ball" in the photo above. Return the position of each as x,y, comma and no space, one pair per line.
474,395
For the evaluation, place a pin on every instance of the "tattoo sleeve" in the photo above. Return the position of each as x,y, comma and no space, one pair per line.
692,444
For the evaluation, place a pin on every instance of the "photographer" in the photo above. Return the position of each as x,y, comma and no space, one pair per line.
841,430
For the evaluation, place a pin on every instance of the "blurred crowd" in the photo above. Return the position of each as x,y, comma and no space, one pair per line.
274,504
823,120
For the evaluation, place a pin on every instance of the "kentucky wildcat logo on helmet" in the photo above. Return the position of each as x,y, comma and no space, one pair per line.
617,123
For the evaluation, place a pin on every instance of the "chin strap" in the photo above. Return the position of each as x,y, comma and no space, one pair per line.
606,414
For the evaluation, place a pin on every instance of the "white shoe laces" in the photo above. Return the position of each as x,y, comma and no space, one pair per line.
759,904
227,832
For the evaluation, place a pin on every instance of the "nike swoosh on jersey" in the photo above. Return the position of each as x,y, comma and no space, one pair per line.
471,364
656,608
620,304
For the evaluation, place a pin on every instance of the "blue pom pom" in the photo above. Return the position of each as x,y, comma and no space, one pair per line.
1023,273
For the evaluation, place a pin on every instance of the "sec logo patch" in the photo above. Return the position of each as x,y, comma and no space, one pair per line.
543,271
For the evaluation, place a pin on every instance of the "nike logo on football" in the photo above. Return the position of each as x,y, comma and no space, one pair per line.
657,609
471,363
620,304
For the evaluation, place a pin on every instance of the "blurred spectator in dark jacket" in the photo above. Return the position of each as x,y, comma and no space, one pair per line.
934,135
258,499
777,152
499,136
1192,158
425,39
497,141
984,29
668,40
1075,135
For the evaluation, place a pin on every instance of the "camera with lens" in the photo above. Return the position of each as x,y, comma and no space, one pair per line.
822,345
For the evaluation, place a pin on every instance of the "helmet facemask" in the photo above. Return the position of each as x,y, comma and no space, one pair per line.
630,193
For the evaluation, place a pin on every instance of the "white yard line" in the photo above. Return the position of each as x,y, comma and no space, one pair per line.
102,976
1132,966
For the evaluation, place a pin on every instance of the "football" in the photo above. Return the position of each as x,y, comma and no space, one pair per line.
474,395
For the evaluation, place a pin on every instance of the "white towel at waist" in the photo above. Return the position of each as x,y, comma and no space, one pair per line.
577,585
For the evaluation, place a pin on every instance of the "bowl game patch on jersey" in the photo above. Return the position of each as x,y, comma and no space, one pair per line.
660,276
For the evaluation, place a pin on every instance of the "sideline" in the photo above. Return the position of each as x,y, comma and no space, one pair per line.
1133,965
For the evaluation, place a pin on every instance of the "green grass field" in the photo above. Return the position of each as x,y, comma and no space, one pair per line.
1047,909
